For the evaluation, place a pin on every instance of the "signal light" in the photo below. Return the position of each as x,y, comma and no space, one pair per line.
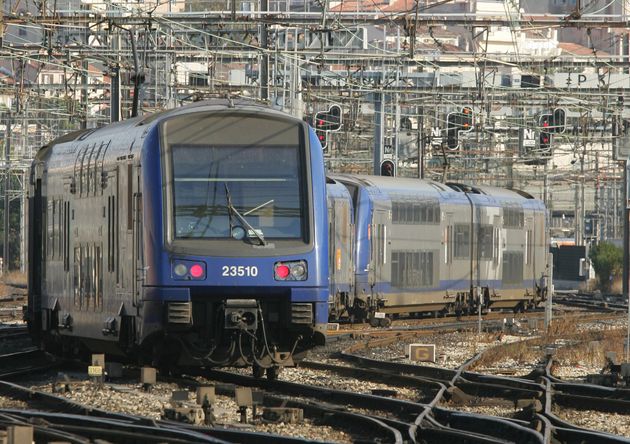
388,168
322,136
555,122
544,141
456,123
329,120
559,120
326,121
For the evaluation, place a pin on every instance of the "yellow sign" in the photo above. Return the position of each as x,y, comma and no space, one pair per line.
422,352
95,370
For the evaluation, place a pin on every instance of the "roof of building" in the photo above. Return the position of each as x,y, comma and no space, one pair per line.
579,50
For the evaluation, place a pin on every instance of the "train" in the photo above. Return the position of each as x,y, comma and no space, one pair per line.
414,247
190,237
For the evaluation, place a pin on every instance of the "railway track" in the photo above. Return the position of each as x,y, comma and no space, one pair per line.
412,403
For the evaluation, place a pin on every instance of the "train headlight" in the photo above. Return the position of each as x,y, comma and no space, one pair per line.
189,270
298,271
290,271
180,270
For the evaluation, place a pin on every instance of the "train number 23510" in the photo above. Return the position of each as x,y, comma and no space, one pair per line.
241,270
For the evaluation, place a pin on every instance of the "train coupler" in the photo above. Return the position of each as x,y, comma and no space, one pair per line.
241,314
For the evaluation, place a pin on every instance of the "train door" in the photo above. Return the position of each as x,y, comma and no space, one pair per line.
138,256
448,242
129,268
124,271
529,250
35,255
380,251
497,241
112,277
332,248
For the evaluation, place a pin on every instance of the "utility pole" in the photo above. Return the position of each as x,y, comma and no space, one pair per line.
7,199
264,59
626,249
378,131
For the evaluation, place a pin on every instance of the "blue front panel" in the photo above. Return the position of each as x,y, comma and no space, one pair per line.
224,272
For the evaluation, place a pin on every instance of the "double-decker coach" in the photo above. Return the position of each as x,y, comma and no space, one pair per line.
195,236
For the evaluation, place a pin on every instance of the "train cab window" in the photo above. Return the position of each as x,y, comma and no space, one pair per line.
238,178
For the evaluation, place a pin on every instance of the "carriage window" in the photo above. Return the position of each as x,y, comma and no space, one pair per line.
407,212
512,267
233,173
485,241
462,241
513,217
412,270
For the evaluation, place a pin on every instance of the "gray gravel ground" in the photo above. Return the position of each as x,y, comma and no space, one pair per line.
128,397
452,350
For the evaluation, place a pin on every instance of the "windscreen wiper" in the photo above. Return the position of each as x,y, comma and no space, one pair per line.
233,212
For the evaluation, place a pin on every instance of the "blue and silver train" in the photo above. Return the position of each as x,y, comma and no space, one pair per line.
195,236
418,246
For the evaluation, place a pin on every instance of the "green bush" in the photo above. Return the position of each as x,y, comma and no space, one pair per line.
607,260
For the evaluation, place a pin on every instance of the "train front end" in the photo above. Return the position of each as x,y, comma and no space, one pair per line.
236,245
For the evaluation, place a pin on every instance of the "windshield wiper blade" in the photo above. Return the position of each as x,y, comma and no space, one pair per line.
234,212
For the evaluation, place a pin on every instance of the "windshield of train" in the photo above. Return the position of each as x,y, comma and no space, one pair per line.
236,176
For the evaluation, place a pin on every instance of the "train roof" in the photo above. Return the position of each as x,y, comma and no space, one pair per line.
336,189
394,184
142,124
490,191
481,194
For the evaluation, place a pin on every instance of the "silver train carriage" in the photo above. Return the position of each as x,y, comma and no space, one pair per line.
422,246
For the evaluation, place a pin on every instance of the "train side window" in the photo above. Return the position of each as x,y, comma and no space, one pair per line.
51,227
98,278
485,242
513,217
90,176
448,238
412,269
94,171
111,233
512,267
59,230
77,276
461,249
66,236
83,173
130,196
497,239
89,291
528,247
